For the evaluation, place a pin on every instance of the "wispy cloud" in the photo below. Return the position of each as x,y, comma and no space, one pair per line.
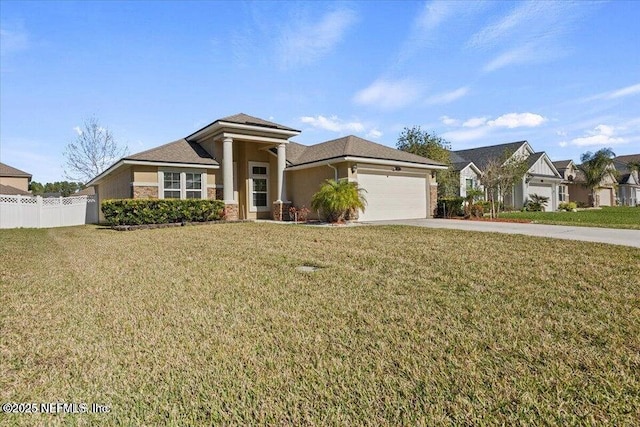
448,121
531,32
307,41
389,94
474,122
13,39
617,93
425,27
448,97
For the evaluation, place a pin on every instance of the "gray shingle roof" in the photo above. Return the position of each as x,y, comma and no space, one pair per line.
8,190
561,164
482,155
6,170
180,151
245,119
532,159
351,146
628,158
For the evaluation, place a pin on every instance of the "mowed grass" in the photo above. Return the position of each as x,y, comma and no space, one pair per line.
609,217
213,325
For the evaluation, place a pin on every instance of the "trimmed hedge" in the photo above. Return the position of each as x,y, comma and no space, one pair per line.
160,211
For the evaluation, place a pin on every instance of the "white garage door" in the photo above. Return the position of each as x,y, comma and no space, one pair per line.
543,190
605,196
392,196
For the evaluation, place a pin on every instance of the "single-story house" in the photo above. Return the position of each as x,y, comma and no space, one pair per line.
541,178
468,173
252,165
14,181
628,193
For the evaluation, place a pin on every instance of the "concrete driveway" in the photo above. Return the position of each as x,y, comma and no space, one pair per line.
588,234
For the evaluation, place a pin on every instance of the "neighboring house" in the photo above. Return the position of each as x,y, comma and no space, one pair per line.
628,193
14,181
574,180
467,171
568,171
541,178
252,166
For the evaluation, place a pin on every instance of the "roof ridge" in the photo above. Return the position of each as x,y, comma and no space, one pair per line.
155,148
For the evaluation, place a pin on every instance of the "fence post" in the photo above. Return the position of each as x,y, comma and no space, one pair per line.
39,206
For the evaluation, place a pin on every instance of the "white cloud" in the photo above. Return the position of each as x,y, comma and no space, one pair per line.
466,134
602,135
474,122
307,41
447,97
562,143
388,94
449,121
78,130
516,120
333,124
433,14
374,134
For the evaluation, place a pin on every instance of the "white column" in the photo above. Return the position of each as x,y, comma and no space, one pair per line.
227,170
282,163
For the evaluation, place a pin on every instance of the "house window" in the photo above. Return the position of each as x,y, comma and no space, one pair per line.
259,186
181,185
194,185
172,185
562,193
469,183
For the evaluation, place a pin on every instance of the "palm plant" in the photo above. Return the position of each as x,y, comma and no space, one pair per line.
336,200
537,203
596,168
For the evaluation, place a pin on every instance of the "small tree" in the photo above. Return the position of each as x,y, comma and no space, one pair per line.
65,188
596,168
93,150
416,141
500,175
336,200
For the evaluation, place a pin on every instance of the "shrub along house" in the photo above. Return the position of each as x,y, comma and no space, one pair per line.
252,166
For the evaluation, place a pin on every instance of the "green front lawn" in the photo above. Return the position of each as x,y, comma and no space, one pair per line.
610,217
213,325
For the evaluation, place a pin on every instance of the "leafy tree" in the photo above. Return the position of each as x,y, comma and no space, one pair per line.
337,200
500,175
596,168
93,150
65,188
415,140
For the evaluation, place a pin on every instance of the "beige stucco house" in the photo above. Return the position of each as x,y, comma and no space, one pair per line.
14,181
253,166
574,181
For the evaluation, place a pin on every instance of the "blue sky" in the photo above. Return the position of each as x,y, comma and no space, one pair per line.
564,76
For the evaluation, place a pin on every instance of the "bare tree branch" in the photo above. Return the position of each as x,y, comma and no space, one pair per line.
92,152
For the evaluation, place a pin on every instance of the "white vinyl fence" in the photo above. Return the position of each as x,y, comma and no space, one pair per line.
38,212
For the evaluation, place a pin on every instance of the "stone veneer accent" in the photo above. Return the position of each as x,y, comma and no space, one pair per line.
231,211
281,211
211,193
145,192
433,198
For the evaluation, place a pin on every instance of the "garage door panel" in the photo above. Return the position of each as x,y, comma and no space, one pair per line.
605,196
542,190
393,196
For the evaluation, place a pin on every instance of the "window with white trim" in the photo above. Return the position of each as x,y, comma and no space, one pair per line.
181,185
259,186
193,185
562,193
172,185
469,183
